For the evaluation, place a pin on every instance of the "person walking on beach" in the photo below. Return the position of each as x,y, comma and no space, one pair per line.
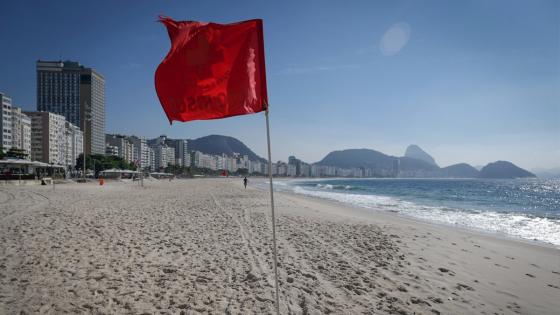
245,180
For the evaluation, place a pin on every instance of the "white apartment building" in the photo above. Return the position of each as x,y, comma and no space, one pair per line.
164,152
291,170
202,160
282,169
125,147
257,167
111,150
163,156
170,156
21,131
142,152
221,162
152,159
74,144
305,170
274,167
6,122
230,163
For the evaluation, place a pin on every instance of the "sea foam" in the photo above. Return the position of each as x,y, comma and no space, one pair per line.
517,225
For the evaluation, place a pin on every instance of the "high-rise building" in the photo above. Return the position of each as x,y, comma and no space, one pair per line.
291,170
6,122
48,139
202,160
21,131
282,169
182,155
163,156
111,150
164,152
125,147
74,144
142,152
76,92
305,170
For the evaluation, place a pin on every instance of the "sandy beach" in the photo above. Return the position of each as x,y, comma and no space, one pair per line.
204,246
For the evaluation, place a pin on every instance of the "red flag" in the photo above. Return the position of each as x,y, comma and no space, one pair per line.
212,70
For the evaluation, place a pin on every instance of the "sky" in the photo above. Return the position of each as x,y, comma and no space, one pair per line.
468,81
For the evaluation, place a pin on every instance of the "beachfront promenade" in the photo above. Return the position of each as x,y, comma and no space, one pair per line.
204,246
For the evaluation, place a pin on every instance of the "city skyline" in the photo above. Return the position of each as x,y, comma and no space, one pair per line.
474,94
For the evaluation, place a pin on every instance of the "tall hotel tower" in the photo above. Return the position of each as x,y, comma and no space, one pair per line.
78,93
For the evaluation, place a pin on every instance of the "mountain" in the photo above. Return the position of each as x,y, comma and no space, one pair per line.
216,144
461,170
386,165
413,164
358,158
504,169
415,152
380,162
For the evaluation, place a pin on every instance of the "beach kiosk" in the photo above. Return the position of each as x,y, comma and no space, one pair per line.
118,174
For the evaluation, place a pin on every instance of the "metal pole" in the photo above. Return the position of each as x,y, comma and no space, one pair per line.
273,217
84,140
84,167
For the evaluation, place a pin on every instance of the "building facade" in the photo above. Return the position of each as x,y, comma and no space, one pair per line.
202,160
74,144
182,156
77,93
142,152
164,156
6,120
125,147
48,137
111,150
164,152
21,131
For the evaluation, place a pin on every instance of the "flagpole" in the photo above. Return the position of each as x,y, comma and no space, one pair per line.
272,209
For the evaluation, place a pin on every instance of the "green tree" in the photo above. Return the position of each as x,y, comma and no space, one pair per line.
15,153
100,162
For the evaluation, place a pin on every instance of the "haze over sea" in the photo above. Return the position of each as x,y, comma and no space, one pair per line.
522,208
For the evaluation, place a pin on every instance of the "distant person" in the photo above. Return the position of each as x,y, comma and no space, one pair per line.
245,180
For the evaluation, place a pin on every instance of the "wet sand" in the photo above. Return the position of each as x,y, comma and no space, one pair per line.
204,246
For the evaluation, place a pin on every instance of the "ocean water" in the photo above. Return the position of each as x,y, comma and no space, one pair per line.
523,208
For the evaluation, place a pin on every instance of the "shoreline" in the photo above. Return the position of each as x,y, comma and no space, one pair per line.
483,251
397,214
435,224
